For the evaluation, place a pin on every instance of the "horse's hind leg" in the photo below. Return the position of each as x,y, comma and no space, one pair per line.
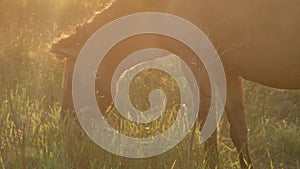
236,116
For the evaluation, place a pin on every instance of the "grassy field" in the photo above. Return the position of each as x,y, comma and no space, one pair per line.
33,136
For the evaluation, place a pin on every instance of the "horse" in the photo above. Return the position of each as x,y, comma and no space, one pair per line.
257,40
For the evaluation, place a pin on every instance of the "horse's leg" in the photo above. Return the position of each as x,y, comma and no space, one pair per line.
236,116
211,147
67,103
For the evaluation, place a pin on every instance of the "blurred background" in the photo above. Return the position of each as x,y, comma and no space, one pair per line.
33,136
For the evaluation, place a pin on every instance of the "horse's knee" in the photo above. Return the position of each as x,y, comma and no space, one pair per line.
211,142
238,126
239,135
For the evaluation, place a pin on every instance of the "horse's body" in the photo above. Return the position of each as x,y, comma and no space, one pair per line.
257,40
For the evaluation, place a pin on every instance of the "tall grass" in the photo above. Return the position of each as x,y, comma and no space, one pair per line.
33,136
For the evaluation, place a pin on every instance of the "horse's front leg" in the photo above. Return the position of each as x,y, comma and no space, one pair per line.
211,144
236,115
67,102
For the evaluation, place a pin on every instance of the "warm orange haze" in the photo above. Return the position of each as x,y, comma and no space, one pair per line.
259,46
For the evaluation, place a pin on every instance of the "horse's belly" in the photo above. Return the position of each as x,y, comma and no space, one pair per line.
270,57
272,68
273,77
263,43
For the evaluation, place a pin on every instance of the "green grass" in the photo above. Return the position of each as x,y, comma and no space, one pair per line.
33,136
